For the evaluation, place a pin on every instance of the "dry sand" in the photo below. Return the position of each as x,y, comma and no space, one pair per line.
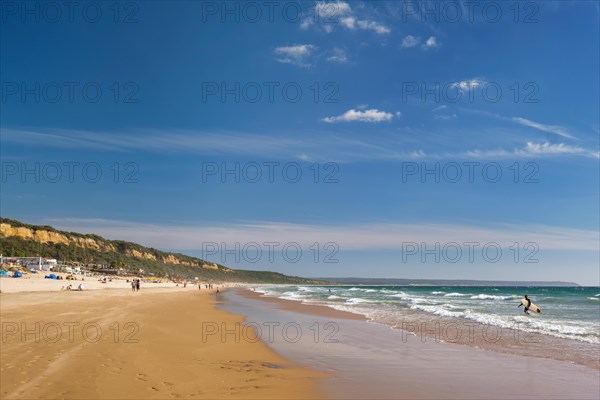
151,345
36,283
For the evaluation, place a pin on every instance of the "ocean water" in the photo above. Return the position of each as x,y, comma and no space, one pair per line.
372,361
567,312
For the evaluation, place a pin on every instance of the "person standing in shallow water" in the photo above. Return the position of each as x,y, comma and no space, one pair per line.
527,306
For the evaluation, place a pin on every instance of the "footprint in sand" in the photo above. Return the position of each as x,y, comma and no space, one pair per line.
142,377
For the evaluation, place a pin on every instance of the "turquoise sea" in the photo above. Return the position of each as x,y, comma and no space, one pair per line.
567,312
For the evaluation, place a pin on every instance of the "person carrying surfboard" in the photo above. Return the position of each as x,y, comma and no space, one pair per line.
529,305
526,305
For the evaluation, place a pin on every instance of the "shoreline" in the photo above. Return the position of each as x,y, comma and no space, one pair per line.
375,361
134,345
298,306
435,328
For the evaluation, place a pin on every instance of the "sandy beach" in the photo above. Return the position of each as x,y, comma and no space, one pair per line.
157,343
37,282
176,342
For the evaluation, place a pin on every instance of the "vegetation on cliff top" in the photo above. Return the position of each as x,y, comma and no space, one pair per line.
131,257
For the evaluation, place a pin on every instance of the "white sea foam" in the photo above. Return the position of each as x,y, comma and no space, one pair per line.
380,307
437,310
404,296
358,300
533,325
454,294
292,296
491,297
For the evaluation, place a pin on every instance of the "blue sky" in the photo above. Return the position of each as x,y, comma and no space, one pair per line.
388,91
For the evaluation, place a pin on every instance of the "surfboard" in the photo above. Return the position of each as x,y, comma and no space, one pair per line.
532,306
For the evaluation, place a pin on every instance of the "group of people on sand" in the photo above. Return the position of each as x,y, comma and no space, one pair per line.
135,285
206,286
70,287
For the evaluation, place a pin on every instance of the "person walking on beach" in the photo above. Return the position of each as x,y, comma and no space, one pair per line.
133,285
527,306
137,285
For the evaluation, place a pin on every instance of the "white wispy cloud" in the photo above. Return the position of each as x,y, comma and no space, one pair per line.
307,23
445,116
468,84
153,140
358,236
533,149
330,13
298,54
330,9
339,56
348,22
552,148
438,113
431,43
319,146
372,115
410,41
554,129
373,26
